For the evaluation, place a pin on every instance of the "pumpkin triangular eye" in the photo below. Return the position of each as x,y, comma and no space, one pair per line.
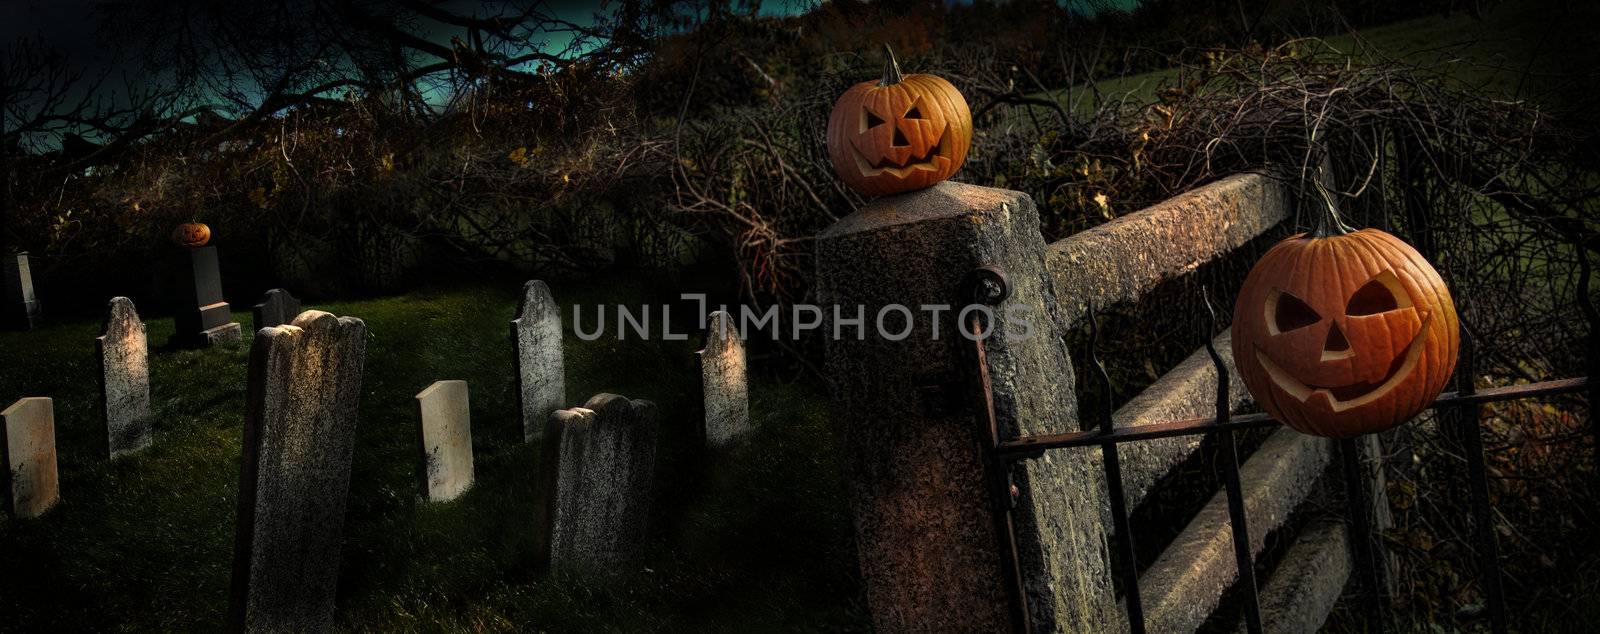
1372,298
873,120
1289,313
913,113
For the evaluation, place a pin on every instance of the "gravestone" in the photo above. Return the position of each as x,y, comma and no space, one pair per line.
29,448
922,500
722,375
300,419
203,317
536,344
595,475
124,379
277,308
19,307
445,428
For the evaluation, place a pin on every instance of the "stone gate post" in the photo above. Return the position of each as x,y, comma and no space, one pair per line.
929,547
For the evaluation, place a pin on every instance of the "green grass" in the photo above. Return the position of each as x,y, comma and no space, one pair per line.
1521,49
756,538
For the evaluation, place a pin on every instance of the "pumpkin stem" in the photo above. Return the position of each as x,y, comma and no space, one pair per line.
1329,224
891,68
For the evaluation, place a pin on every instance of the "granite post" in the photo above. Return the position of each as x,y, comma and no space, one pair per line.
722,376
299,432
28,446
277,308
19,307
923,505
203,317
444,428
536,348
124,379
595,476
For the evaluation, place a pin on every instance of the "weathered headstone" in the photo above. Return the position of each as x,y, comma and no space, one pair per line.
300,420
595,475
19,307
445,427
722,375
203,317
29,448
124,379
536,343
277,308
919,489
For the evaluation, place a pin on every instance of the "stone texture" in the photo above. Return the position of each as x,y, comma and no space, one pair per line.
19,306
277,308
596,477
722,376
1188,391
29,448
536,344
1303,589
124,353
304,392
1122,259
444,425
203,317
924,528
1185,584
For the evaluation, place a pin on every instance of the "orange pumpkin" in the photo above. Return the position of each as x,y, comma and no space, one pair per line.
899,134
191,235
1341,333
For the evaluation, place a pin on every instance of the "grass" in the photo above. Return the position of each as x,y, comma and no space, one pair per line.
1521,49
754,538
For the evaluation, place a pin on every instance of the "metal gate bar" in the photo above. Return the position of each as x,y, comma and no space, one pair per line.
988,285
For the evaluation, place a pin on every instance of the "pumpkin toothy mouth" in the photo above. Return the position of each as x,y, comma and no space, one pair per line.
873,168
1345,397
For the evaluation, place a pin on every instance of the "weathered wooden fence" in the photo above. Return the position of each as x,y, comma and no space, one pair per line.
985,500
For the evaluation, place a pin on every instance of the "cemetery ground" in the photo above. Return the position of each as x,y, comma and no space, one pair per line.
757,537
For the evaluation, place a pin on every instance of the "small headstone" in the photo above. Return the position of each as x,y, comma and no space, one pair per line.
124,379
300,422
446,431
277,308
29,448
536,339
722,374
203,317
19,308
595,474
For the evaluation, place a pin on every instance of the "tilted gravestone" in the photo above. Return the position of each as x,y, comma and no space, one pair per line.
300,420
124,379
277,308
203,317
922,501
722,375
445,429
595,475
19,307
29,448
536,343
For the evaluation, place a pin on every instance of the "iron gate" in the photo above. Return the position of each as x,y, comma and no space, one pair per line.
989,286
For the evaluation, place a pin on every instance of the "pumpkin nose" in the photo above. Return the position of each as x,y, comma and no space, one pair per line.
1336,341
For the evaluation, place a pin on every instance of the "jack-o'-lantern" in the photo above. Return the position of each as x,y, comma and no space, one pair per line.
1341,333
899,134
191,235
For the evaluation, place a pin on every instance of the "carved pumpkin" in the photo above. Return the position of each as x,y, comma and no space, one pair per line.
899,134
191,235
1341,333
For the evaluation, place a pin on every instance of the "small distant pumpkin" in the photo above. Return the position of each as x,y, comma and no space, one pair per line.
898,134
191,235
1341,333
